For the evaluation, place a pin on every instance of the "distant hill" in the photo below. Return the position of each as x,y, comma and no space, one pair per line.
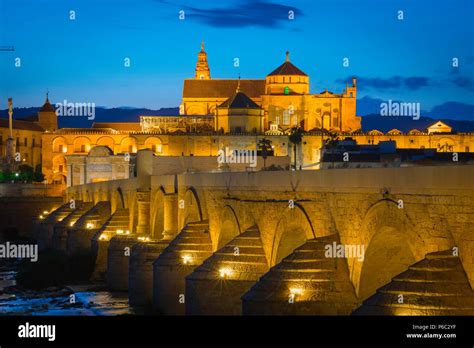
130,114
102,114
449,110
405,124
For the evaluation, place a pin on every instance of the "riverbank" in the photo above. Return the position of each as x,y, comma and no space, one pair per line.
73,300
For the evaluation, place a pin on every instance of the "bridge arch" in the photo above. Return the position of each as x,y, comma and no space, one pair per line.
293,229
389,239
229,226
192,207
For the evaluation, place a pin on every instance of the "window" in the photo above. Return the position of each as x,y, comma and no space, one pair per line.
60,148
286,117
33,142
60,168
83,148
130,148
25,141
467,149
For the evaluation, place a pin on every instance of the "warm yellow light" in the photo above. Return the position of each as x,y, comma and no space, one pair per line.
296,291
186,259
45,212
119,231
41,217
71,224
225,272
102,237
89,225
64,149
127,232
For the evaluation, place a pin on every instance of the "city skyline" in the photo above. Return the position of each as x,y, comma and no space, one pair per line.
55,51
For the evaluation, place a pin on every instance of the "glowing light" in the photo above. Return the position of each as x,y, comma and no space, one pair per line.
41,217
186,259
89,225
102,237
45,212
225,272
17,175
296,291
127,232
64,149
119,231
71,224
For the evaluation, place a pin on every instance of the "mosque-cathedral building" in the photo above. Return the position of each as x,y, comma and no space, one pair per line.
214,113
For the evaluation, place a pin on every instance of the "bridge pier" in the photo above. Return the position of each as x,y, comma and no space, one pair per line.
436,285
305,283
143,221
187,251
45,230
216,287
59,239
140,277
120,248
118,223
79,235
170,216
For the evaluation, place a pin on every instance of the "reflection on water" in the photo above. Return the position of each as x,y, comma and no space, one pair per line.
59,303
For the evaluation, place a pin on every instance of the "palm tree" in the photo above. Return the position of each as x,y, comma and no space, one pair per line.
296,137
264,146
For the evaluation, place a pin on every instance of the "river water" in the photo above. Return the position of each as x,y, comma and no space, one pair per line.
87,300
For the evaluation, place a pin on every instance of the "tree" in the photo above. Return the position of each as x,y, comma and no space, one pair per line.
264,146
296,137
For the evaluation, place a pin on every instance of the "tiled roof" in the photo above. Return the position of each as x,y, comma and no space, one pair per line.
287,68
239,101
222,88
126,126
25,125
47,107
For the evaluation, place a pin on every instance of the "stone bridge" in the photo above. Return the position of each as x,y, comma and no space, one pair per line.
390,241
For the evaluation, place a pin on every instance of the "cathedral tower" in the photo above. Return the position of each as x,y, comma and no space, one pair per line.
47,117
202,66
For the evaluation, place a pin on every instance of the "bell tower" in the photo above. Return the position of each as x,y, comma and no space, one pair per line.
47,117
202,66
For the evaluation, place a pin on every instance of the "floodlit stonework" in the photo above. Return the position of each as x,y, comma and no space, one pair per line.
254,243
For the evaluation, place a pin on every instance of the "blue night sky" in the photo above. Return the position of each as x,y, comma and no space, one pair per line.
83,60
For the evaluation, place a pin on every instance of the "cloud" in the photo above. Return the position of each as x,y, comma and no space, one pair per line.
394,82
463,82
257,13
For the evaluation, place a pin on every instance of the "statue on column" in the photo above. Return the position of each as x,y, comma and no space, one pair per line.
10,160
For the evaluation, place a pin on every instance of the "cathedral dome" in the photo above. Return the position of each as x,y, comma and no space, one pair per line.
287,79
287,68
